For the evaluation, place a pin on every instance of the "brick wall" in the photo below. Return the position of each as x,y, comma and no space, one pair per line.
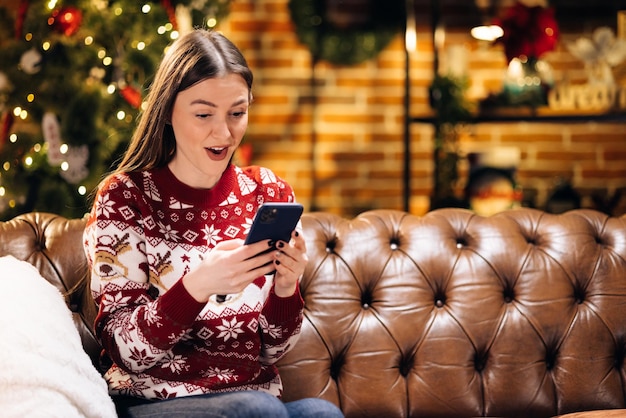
344,154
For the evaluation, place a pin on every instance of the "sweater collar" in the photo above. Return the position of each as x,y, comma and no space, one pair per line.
193,196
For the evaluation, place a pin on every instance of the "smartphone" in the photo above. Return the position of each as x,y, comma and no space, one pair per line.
275,221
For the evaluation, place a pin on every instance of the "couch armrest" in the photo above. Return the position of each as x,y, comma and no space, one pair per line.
53,244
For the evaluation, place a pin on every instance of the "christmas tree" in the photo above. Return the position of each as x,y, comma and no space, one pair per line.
72,79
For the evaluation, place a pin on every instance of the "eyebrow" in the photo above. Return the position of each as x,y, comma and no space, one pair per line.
208,103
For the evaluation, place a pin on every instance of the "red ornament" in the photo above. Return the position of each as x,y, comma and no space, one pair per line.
131,95
21,16
171,12
66,20
529,31
7,124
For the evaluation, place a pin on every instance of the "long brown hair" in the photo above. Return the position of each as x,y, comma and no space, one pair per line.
194,57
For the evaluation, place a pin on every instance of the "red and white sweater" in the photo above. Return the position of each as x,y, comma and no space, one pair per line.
145,232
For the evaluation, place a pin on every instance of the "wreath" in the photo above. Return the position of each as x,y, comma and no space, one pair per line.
349,33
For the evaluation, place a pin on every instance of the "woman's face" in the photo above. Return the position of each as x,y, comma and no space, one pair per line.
209,120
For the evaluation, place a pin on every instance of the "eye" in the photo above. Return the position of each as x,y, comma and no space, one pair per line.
107,267
203,115
238,114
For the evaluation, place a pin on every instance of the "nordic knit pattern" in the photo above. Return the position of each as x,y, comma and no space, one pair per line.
145,232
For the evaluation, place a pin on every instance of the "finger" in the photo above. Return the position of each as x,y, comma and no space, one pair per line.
262,270
252,250
285,280
230,244
293,251
288,265
258,260
298,241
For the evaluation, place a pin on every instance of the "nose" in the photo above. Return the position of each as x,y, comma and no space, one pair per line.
220,129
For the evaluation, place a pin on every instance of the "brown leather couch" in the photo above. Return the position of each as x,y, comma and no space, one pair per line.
522,314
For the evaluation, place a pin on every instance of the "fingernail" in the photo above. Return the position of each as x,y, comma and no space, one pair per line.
281,244
271,243
297,234
277,262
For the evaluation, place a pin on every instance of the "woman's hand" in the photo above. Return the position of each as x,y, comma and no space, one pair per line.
290,260
229,267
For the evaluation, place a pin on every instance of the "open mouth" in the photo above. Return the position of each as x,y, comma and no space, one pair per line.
217,151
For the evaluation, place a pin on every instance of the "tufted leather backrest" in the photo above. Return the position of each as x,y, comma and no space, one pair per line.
446,315
455,315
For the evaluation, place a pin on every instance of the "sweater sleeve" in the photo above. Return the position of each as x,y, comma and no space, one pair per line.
281,322
135,328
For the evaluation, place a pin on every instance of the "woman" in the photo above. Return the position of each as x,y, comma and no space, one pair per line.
165,238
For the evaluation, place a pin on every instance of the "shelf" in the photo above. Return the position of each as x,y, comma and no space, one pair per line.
535,115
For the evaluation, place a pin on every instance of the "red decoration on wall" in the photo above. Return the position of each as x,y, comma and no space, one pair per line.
66,20
244,154
171,12
131,95
528,31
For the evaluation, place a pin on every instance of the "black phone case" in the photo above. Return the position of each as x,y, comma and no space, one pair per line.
275,221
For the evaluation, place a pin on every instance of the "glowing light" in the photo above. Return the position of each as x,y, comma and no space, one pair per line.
111,88
13,138
145,8
410,39
211,22
52,4
2,191
20,113
28,161
121,115
65,166
63,148
487,33
141,46
169,26
46,45
12,203
174,34
118,11
6,166
107,61
30,97
37,147
88,40
82,190
28,37
102,53
515,69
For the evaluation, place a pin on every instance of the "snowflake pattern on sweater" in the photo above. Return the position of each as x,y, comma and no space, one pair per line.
145,232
